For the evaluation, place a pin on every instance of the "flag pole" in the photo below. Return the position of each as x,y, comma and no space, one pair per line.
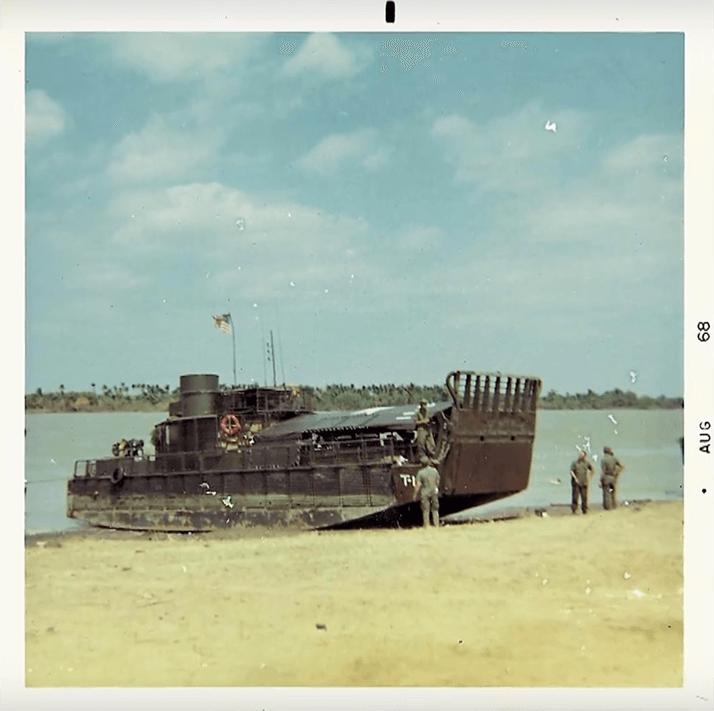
233,333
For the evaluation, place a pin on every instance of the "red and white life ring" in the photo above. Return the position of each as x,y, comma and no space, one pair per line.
230,425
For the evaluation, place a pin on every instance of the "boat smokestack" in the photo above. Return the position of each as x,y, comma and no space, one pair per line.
199,395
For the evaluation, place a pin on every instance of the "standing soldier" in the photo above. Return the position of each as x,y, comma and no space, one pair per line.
427,488
426,447
581,472
611,470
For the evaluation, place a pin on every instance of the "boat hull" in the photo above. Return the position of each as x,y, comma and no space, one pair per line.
177,514
268,465
313,497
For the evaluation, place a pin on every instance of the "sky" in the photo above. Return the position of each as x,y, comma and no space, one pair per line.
391,207
390,211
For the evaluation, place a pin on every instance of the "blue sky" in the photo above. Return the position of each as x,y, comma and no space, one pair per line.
558,255
392,207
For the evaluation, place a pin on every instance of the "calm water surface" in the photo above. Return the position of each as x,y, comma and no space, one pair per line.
645,441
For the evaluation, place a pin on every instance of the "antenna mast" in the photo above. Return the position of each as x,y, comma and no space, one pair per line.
271,357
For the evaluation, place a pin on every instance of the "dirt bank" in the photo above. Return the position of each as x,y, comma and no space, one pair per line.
556,601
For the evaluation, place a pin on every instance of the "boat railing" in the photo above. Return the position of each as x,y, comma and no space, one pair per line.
105,467
275,456
357,451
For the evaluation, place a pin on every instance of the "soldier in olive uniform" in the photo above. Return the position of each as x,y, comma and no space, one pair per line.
611,470
426,447
427,489
581,472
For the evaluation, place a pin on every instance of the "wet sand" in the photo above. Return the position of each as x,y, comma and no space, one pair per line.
571,601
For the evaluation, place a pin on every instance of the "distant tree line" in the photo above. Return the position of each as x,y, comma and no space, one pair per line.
142,397
349,397
139,397
607,401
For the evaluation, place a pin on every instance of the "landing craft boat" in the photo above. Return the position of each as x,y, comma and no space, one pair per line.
263,456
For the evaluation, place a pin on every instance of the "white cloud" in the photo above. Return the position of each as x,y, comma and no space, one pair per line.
44,118
375,160
281,241
510,152
330,153
184,241
204,215
419,237
162,152
324,55
453,125
634,189
645,153
580,231
631,197
166,57
110,277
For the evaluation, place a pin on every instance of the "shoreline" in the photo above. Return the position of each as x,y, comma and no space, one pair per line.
511,513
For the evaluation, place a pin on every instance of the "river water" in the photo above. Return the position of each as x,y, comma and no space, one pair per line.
647,443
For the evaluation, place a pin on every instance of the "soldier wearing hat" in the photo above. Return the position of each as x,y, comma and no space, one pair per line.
581,472
426,447
611,470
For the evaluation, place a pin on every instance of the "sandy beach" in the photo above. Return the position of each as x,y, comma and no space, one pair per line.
573,601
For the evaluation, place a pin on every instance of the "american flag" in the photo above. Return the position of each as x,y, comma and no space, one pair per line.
223,323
